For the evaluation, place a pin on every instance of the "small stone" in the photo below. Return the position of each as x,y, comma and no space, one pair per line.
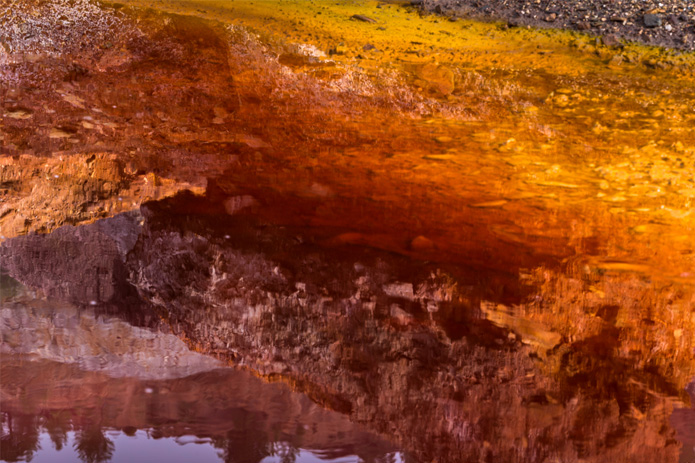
338,50
583,26
363,18
368,47
439,157
652,20
320,191
668,28
551,17
19,114
421,243
58,133
561,101
441,78
616,60
399,315
611,41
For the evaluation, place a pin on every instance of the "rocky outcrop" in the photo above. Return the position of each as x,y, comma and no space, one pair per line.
41,194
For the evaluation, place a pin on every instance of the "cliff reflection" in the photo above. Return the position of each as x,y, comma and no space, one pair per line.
85,412
454,364
85,374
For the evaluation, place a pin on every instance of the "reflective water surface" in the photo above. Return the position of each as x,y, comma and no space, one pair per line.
79,385
441,361
273,231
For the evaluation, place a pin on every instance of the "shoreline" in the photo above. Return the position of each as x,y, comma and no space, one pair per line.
669,24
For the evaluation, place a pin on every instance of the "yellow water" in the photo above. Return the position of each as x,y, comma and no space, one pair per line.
536,138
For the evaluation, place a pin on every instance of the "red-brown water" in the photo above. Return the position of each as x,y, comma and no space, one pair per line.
469,243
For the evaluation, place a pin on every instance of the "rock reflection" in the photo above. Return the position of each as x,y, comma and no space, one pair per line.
455,364
232,410
94,342
474,365
76,368
109,381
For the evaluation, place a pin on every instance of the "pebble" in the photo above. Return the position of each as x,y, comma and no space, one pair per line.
667,24
652,20
611,41
421,243
363,18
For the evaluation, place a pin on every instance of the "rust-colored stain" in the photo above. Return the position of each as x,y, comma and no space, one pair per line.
566,166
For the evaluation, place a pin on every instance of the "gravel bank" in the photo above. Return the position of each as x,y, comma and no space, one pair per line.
666,23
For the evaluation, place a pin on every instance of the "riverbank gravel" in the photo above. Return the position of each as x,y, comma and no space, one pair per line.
665,23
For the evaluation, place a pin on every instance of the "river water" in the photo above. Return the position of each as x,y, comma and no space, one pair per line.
340,231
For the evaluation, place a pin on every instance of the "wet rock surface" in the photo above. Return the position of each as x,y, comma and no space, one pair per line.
668,24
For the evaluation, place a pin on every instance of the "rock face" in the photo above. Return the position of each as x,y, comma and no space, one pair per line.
40,194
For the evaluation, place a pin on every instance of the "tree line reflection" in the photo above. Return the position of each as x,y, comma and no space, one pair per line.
249,443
